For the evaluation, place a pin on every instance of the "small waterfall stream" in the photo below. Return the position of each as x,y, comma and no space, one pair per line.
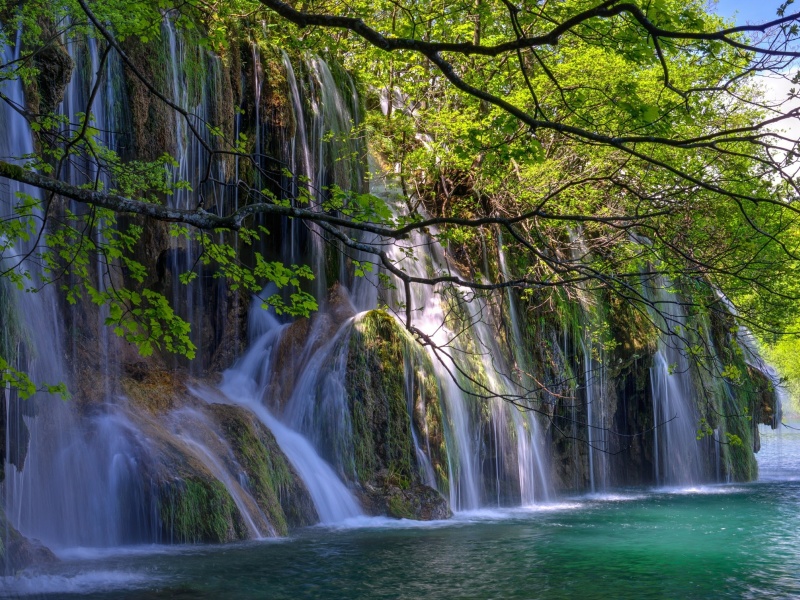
678,453
516,441
245,384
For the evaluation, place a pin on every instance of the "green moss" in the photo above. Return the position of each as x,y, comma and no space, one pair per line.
11,332
735,420
431,421
388,376
400,508
381,425
729,393
196,509
152,123
270,479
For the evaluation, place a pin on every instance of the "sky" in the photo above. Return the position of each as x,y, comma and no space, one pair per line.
755,11
752,11
759,11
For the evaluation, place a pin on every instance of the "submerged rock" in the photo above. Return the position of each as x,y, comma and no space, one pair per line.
418,501
18,552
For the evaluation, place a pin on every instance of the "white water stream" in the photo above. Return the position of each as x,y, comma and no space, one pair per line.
245,383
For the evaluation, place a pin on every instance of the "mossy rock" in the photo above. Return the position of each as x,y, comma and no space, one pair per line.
18,552
765,402
185,502
272,481
376,390
154,390
419,502
45,92
385,459
198,509
152,122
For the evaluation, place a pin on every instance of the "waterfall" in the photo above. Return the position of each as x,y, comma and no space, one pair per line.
518,457
318,405
80,483
677,456
245,384
593,370
89,472
84,480
77,485
531,468
196,95
413,379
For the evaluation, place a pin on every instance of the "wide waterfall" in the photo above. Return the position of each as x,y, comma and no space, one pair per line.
285,422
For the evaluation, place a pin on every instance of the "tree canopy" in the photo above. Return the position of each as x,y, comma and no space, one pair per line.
607,142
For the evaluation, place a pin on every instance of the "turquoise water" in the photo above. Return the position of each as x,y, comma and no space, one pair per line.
725,541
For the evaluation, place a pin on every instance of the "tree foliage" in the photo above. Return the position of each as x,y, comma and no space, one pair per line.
607,142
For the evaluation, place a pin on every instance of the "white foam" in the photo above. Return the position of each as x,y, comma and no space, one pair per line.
700,490
459,518
84,553
615,497
364,522
77,553
28,584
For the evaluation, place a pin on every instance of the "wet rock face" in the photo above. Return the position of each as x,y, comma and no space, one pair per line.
46,91
55,70
383,497
20,552
302,339
153,123
385,460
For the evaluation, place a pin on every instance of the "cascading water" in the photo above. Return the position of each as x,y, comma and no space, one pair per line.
326,423
78,483
593,381
197,97
596,427
245,384
322,153
84,480
413,377
532,473
678,455
516,467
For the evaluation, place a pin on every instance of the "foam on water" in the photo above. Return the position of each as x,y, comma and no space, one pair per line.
365,522
505,514
614,497
700,490
84,582
459,518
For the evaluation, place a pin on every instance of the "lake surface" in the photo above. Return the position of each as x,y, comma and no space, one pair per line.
721,541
